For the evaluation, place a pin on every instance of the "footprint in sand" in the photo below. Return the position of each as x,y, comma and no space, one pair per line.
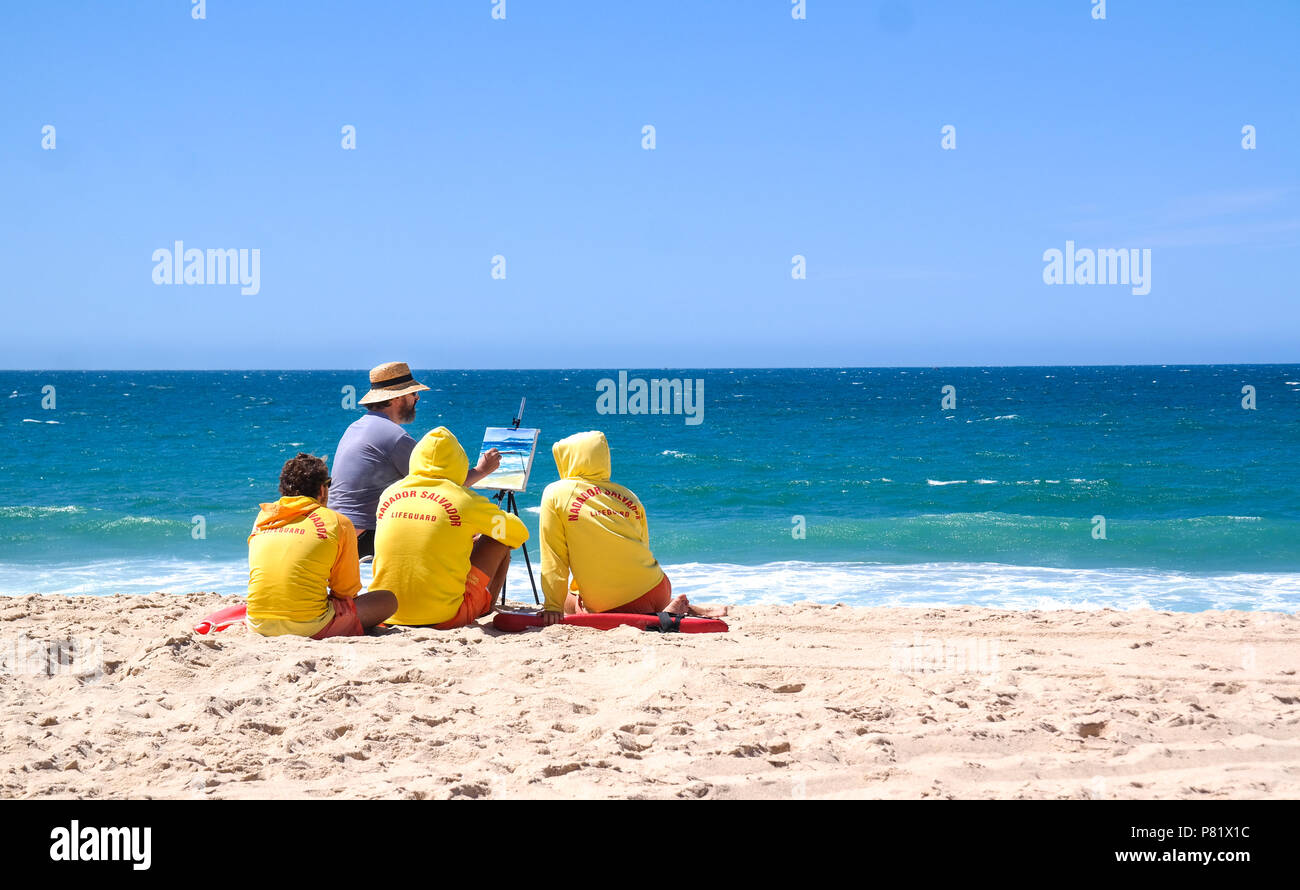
553,770
1090,730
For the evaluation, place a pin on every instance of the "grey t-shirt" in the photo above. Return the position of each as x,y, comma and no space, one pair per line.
372,455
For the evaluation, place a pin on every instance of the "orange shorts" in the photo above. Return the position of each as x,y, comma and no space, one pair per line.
345,622
477,601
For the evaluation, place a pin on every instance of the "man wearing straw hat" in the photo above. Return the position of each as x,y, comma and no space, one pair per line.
375,451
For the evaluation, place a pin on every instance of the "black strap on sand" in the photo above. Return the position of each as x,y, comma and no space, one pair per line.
668,623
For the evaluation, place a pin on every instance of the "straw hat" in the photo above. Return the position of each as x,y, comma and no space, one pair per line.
390,380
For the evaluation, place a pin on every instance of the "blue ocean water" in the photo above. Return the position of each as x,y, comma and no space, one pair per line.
991,502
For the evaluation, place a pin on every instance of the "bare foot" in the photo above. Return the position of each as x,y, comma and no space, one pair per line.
682,606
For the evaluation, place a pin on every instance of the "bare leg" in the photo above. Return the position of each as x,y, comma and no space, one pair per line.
682,606
573,605
375,607
499,579
492,558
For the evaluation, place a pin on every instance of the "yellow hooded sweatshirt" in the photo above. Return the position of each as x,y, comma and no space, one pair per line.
424,532
297,550
595,529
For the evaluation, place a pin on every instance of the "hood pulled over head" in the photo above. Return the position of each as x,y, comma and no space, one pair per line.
439,456
583,456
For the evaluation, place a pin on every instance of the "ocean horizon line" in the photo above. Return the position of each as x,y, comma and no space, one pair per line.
594,368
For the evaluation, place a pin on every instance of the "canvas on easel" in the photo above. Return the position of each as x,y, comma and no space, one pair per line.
518,447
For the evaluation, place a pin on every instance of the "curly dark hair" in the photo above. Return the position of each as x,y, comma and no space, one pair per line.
303,476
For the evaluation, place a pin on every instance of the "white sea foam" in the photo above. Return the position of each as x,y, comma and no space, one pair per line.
984,584
130,521
28,512
858,584
947,482
105,577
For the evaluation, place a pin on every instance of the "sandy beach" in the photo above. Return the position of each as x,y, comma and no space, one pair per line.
112,697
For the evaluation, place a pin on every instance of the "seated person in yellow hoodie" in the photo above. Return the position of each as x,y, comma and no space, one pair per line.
440,547
302,563
597,530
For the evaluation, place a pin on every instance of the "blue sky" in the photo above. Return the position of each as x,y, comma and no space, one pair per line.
522,138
